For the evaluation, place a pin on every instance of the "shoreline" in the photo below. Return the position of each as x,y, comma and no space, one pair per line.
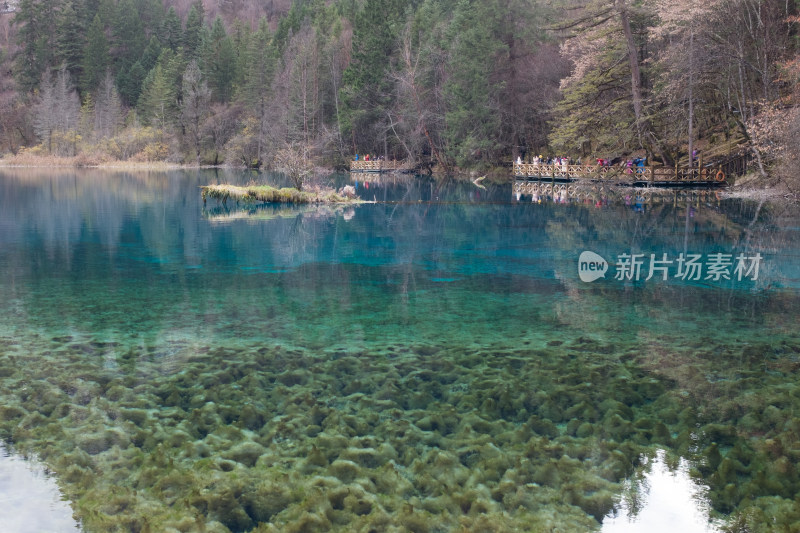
748,189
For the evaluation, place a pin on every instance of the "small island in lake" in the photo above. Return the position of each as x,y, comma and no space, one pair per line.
285,195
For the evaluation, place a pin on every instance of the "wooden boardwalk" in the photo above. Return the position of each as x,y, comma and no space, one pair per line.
639,176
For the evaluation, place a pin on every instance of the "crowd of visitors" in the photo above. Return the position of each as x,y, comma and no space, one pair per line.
636,163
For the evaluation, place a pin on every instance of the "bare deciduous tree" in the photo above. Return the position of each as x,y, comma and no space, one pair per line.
195,106
293,160
107,108
57,112
415,110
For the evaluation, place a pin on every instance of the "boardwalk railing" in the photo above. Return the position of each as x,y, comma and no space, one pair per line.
618,174
375,165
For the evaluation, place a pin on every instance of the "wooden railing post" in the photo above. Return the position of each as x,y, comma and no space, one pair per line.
700,168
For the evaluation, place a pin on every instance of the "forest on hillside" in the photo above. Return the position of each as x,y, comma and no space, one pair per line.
443,84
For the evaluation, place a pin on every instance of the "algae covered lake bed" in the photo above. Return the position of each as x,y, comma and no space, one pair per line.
432,361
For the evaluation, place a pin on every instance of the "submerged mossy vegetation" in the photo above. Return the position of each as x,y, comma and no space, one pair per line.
420,437
268,194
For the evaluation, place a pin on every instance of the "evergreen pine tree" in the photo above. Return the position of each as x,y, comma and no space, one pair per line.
161,91
129,36
129,82
193,34
367,88
150,54
219,61
171,34
35,37
71,37
152,14
471,90
240,37
95,58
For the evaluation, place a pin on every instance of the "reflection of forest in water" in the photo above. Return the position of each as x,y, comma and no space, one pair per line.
66,207
153,224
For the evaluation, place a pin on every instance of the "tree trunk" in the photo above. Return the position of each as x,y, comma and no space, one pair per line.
633,60
691,97
410,74
644,131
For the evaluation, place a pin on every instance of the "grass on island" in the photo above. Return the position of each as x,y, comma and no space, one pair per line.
267,194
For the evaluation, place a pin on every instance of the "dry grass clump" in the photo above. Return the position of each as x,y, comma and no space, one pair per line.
35,157
267,194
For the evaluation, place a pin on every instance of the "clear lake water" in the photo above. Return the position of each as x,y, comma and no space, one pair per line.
446,357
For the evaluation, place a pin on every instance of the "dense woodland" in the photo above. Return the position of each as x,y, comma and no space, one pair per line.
441,83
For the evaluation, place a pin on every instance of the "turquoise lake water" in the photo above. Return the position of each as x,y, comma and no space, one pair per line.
442,359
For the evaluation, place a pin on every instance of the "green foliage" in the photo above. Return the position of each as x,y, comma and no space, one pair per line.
193,34
129,83
456,82
151,54
129,38
158,103
597,110
219,61
96,58
473,110
36,39
70,38
366,90
291,23
240,37
171,33
258,67
152,13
